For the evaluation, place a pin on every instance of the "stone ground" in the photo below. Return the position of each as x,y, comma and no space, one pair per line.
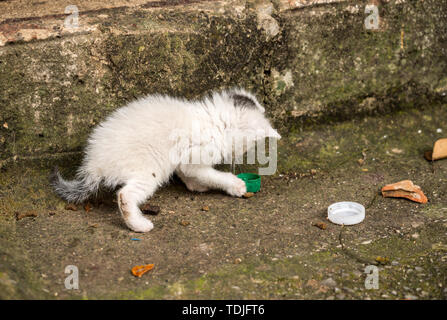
265,247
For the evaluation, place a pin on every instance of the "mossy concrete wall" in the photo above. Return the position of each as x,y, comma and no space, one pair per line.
306,60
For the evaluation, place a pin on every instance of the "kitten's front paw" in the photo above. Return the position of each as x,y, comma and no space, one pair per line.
141,225
238,188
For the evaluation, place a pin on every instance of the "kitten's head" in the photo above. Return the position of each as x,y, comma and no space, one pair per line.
250,124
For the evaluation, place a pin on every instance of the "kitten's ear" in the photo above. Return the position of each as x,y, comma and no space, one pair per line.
244,99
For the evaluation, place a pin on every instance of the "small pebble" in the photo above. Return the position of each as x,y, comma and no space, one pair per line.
320,225
357,273
205,208
148,209
248,195
329,282
351,291
396,150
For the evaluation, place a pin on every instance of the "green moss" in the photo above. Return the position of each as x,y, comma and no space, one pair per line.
17,278
436,211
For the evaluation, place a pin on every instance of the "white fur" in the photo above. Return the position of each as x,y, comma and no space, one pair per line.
132,148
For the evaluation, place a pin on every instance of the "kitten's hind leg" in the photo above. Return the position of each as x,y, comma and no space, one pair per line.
192,183
129,198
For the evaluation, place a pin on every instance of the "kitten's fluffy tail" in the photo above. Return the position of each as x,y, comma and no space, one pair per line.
74,191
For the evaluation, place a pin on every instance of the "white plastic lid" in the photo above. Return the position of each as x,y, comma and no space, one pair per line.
347,213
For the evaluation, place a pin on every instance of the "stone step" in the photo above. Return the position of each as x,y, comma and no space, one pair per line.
64,68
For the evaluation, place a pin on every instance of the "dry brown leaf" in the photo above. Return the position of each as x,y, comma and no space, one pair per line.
87,207
71,206
20,216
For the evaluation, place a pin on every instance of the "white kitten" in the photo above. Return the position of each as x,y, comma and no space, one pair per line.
142,144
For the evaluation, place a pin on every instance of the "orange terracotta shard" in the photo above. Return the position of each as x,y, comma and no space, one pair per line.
439,151
404,189
138,271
